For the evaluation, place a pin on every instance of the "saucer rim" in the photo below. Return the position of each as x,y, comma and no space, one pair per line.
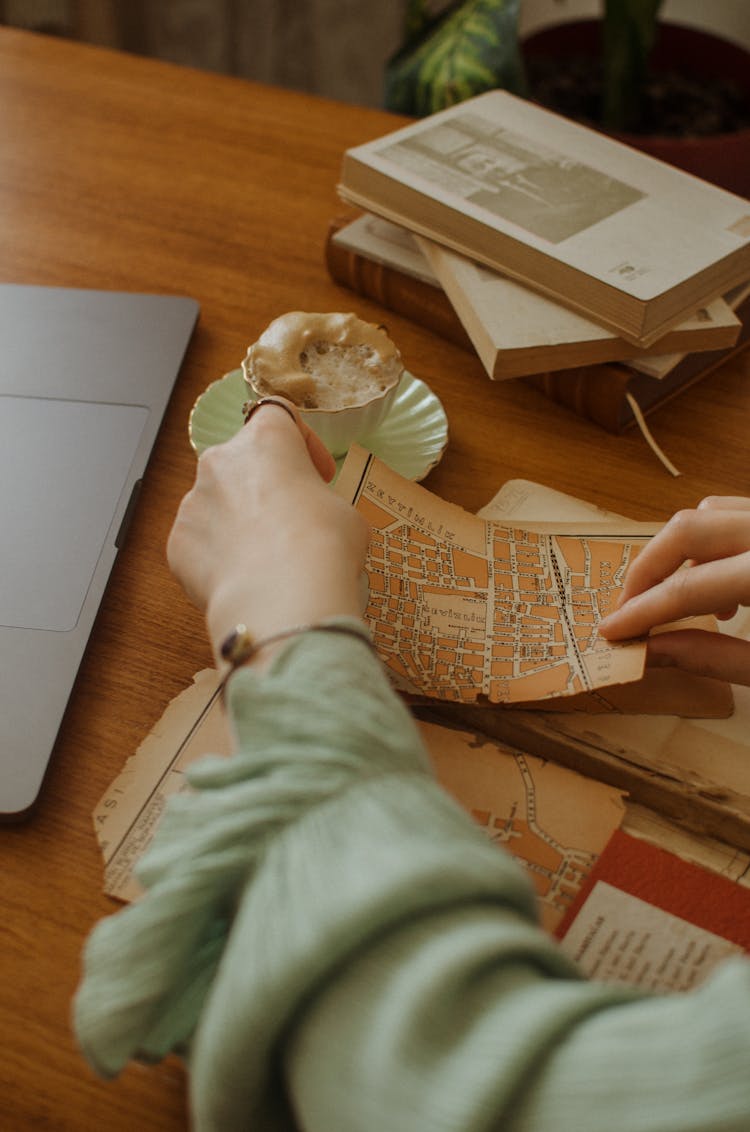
410,380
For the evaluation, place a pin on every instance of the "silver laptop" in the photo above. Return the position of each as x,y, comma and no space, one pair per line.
85,377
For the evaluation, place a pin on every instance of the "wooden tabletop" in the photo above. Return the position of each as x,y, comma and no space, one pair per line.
127,174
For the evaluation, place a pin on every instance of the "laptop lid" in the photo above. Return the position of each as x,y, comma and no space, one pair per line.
85,378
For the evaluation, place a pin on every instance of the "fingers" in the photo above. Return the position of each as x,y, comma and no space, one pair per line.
270,432
703,535
725,503
321,458
319,454
699,563
702,589
704,653
238,485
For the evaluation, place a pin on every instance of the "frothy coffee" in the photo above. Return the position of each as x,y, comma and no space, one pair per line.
326,362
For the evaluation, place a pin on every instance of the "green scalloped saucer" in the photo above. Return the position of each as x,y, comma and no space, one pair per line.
411,439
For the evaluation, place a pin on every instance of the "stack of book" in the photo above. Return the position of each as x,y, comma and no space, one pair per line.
606,278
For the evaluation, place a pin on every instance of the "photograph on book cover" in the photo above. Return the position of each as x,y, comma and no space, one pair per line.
538,188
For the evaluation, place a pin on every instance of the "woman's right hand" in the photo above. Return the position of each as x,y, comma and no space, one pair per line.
261,539
699,563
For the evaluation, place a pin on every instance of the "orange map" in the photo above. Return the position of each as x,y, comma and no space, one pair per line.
553,821
467,609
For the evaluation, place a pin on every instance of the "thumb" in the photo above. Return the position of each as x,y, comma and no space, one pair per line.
321,458
702,652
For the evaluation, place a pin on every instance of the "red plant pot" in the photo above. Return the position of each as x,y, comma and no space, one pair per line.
723,159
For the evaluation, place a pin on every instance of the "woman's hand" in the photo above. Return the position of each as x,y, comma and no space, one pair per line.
261,539
699,563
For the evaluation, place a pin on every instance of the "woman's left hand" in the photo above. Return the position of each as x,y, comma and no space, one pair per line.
699,563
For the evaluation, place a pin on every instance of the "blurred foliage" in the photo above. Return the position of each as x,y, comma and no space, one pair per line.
629,36
473,46
469,48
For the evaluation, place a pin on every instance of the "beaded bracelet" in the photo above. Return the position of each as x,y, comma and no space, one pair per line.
239,646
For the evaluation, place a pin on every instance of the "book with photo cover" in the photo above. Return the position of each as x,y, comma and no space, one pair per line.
631,242
596,392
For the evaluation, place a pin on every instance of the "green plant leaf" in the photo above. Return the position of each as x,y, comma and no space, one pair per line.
629,35
471,48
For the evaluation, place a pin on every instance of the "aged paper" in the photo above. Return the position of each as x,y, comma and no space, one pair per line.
470,610
619,938
129,813
193,724
553,820
711,757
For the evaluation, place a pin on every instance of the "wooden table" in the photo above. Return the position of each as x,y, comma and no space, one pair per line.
122,173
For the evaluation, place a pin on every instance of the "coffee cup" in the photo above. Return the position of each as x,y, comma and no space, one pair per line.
341,372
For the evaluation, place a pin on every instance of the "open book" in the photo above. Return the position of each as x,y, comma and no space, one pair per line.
477,612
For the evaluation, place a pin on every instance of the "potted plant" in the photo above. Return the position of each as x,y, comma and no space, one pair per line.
677,92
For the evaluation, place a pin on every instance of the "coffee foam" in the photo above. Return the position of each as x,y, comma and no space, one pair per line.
323,361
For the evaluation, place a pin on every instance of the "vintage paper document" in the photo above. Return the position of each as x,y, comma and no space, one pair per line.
129,813
648,918
619,938
471,610
553,820
696,770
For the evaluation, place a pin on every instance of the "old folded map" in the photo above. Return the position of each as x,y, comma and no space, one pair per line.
475,610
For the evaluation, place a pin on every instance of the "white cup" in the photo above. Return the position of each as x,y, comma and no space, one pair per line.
271,367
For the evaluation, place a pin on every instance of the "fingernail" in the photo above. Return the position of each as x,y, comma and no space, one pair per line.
606,622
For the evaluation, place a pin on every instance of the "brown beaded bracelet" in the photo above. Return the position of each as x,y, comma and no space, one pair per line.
240,646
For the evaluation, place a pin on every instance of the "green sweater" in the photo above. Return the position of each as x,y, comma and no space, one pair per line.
335,946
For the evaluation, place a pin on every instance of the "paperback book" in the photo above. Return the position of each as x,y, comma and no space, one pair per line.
514,330
631,242
517,332
599,392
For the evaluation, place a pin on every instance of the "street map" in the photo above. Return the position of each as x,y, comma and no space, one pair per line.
472,610
553,821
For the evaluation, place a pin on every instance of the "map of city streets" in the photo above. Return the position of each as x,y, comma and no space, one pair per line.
468,609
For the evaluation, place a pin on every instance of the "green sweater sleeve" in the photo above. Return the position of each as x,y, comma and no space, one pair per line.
334,945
